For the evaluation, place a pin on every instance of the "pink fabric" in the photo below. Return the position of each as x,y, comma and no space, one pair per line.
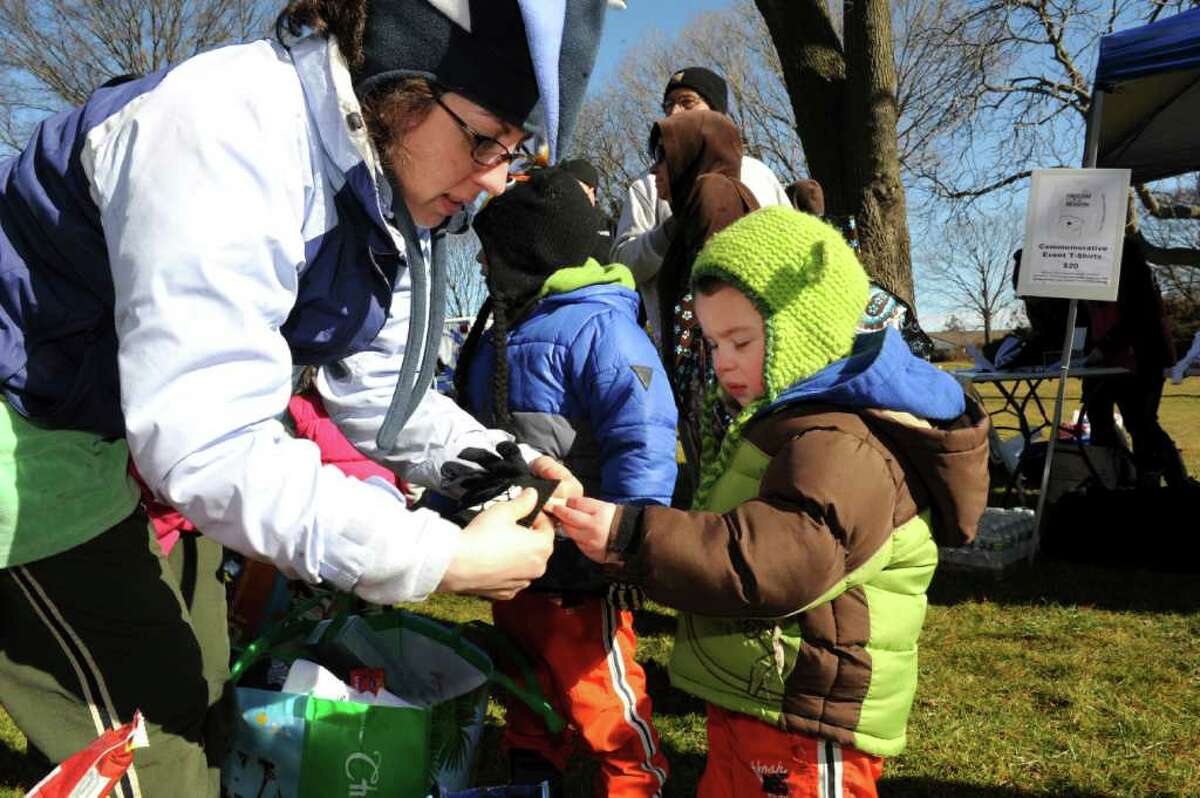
168,522
313,423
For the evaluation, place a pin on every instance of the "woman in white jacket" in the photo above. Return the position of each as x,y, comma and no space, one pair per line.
169,253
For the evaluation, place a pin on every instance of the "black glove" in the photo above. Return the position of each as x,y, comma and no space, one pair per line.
494,480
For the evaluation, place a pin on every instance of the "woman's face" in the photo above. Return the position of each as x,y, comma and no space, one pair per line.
433,165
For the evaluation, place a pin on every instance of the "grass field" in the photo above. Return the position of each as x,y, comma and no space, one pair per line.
1055,681
1059,680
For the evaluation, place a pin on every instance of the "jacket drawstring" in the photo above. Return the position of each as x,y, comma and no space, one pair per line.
420,351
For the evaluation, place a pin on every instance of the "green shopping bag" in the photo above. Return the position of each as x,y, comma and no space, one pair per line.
297,746
448,670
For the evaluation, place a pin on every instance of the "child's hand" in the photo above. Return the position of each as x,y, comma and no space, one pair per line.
547,467
588,522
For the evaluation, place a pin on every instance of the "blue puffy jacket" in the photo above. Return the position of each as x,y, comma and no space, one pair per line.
586,386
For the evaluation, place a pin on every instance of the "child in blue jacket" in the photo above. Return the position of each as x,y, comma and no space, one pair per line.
567,369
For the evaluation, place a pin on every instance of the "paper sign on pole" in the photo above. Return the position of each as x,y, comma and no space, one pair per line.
1074,228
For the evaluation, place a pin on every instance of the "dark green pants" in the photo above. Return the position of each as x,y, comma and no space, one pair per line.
90,635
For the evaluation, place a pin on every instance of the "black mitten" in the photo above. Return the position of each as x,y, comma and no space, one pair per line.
500,477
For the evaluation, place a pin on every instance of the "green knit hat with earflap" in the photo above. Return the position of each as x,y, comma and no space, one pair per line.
811,292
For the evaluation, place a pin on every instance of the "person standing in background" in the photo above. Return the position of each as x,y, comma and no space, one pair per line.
589,179
644,230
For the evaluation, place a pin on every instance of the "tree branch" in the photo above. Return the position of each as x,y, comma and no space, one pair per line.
1171,256
1160,210
974,193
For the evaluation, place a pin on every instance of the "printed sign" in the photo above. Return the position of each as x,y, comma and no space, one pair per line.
1074,228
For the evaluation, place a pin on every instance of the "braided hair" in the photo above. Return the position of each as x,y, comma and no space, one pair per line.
470,350
501,325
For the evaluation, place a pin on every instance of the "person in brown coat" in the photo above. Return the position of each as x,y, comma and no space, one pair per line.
801,572
698,158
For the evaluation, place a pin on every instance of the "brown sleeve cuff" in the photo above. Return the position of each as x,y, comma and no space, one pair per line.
625,535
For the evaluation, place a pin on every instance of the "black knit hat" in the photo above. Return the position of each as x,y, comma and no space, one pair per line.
505,55
582,171
532,230
705,82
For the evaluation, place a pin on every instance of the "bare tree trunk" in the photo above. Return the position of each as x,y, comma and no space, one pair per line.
814,71
844,100
872,163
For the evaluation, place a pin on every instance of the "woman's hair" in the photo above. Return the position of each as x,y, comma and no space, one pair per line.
304,380
344,20
393,109
389,110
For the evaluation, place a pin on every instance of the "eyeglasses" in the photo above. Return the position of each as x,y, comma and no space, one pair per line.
485,150
685,101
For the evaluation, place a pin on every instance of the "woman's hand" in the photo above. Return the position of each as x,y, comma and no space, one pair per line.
588,522
496,557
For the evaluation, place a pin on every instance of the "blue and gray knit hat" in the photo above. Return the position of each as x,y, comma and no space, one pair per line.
510,56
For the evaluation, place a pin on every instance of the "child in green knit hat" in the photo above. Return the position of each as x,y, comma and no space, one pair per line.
800,574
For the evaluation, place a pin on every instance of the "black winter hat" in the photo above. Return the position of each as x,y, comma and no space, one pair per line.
540,225
705,82
582,171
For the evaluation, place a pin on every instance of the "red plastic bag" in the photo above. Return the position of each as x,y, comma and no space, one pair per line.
93,771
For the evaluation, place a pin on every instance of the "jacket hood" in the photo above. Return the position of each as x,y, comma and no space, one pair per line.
881,372
613,296
698,143
939,434
945,461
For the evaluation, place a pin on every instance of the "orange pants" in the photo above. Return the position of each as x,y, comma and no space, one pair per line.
747,757
583,656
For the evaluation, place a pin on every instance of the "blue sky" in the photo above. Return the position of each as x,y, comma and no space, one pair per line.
622,29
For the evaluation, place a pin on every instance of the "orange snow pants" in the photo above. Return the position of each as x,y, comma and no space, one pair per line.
747,757
583,655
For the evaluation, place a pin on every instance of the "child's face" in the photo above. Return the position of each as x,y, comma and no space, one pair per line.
734,331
